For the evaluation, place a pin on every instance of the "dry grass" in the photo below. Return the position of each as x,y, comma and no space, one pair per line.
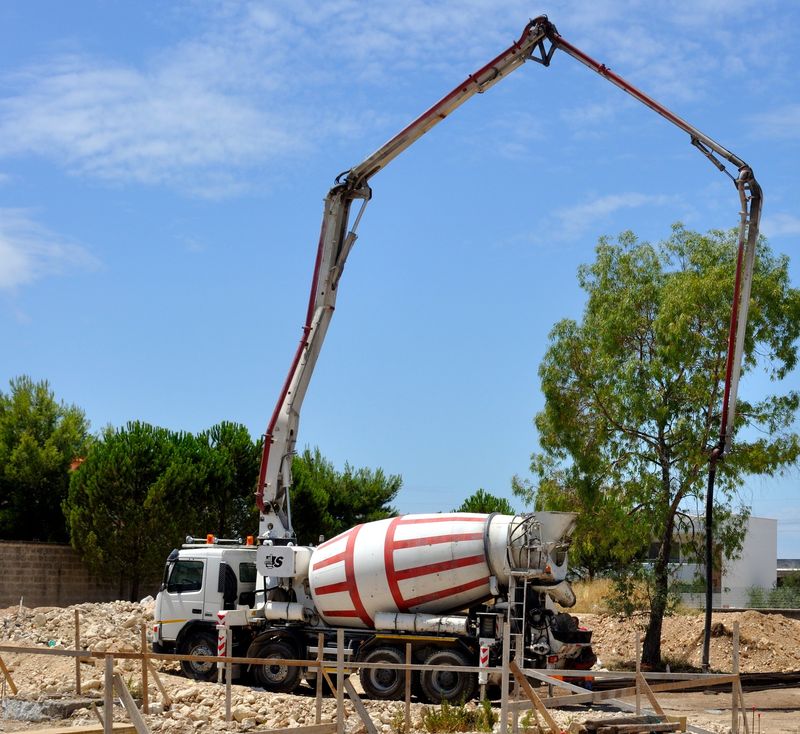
591,596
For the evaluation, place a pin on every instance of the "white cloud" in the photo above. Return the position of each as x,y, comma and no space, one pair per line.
781,223
782,122
256,85
29,251
575,220
122,124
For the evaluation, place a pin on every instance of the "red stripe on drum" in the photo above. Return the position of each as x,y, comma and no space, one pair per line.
330,560
411,573
332,588
434,539
388,562
350,577
443,593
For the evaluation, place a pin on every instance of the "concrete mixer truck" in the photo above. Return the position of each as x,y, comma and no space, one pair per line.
446,584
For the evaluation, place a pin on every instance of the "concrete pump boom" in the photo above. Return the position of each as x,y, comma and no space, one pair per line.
538,42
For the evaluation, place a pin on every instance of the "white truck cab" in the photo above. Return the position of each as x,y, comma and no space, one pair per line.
200,579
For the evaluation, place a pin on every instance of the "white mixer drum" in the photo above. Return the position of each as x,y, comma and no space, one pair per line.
418,563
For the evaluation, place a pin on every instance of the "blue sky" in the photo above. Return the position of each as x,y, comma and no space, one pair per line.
162,170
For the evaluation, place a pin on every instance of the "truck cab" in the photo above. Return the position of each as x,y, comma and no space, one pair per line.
200,579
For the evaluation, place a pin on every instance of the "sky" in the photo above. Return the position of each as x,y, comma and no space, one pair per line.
163,166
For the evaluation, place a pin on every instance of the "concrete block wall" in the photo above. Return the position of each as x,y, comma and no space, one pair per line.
48,575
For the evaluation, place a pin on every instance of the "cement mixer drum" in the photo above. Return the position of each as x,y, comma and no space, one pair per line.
428,563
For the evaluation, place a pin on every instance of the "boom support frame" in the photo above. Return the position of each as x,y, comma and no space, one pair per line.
538,42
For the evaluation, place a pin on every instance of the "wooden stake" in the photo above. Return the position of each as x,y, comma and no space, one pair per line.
228,676
408,687
744,709
164,695
522,681
734,691
9,678
638,674
360,708
130,705
340,681
504,675
77,647
108,696
145,682
645,686
320,654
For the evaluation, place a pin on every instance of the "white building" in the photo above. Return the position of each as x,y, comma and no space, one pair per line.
756,567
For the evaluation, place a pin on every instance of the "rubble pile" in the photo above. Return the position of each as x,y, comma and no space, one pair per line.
767,643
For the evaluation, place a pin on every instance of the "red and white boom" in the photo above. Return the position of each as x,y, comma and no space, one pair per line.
538,42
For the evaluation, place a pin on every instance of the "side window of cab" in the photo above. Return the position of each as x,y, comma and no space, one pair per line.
185,576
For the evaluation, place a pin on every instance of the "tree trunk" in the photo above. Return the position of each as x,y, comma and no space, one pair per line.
651,650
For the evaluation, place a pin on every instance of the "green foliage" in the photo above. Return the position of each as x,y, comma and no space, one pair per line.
633,393
634,588
142,489
778,597
326,502
451,717
228,460
39,439
791,581
485,502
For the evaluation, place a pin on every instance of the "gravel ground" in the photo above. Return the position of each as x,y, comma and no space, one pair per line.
768,643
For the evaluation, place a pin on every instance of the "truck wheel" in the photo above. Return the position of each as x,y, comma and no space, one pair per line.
442,685
277,677
385,683
200,642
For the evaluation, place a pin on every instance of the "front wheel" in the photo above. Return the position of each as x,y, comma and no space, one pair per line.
277,677
387,682
444,685
200,642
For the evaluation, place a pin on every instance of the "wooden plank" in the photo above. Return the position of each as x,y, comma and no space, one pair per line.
8,677
121,728
360,707
130,705
312,729
635,728
531,694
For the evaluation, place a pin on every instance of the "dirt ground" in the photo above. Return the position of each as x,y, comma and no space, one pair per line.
769,643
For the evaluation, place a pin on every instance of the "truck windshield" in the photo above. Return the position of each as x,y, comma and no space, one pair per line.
185,576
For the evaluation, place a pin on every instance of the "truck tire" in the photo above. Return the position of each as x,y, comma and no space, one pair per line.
441,685
199,642
276,677
387,683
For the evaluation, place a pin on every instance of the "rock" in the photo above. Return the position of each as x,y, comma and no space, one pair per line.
248,723
240,713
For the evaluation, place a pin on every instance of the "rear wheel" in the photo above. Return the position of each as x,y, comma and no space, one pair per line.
386,682
277,677
444,685
199,642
